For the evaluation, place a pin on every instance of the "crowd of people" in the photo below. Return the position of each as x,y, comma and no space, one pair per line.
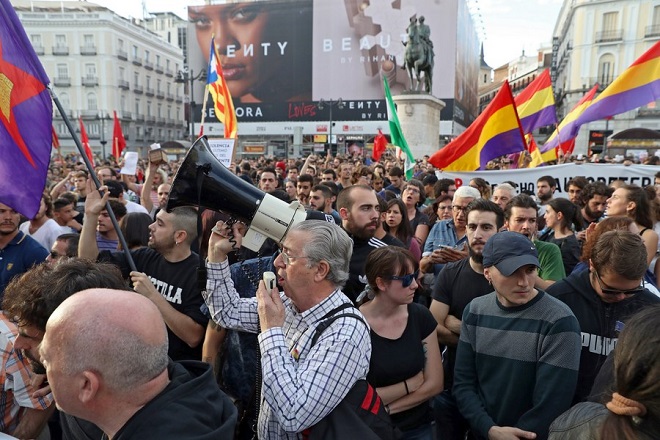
476,311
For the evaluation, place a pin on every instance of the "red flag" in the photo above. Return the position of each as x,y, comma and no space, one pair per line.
85,142
55,142
380,143
118,141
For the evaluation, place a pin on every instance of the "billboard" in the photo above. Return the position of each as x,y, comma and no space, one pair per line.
281,57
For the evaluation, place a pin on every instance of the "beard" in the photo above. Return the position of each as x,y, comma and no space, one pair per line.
366,232
592,214
477,257
544,197
36,365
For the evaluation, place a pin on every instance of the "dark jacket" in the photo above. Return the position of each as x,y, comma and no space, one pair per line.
190,407
600,323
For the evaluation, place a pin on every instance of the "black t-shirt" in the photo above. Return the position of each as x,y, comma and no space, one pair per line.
177,282
456,285
395,360
570,251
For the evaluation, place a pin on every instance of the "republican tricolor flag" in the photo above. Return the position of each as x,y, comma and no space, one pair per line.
224,106
536,104
496,132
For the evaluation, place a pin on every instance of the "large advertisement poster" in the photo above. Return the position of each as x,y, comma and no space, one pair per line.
281,57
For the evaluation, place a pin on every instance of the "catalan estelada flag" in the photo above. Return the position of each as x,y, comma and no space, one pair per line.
536,104
26,117
564,135
638,85
224,106
494,133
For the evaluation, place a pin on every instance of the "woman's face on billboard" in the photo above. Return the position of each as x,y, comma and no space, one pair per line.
248,43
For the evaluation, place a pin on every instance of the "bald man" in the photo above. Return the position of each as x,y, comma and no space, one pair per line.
112,369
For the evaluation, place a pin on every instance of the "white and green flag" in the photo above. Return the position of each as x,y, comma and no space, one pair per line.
396,134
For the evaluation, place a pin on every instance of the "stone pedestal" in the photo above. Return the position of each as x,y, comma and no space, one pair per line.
419,115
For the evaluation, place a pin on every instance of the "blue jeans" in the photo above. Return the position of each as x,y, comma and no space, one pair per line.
424,432
449,423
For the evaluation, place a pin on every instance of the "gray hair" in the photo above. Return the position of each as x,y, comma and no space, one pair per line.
123,359
465,191
329,242
506,187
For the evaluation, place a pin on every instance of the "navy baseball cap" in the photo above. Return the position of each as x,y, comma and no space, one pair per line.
509,251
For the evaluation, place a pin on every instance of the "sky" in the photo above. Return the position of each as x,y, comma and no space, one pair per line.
506,27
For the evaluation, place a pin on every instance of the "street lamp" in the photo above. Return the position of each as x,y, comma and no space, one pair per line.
330,103
188,78
103,116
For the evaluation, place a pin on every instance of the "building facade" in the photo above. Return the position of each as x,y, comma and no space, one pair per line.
99,62
593,43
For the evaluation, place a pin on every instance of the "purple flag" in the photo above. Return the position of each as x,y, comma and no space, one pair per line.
26,116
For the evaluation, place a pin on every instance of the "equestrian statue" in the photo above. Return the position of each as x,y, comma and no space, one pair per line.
419,55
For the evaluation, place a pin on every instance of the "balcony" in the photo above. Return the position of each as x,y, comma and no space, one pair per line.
62,81
88,49
652,31
159,68
123,84
39,49
150,119
169,97
90,81
609,36
169,72
160,94
137,61
60,50
122,55
178,99
139,117
138,89
148,65
139,137
646,112
89,114
126,115
149,91
603,81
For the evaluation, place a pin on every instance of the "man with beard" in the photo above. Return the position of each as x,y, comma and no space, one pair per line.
521,216
304,188
321,199
18,252
456,285
31,299
575,187
359,211
545,189
166,271
594,201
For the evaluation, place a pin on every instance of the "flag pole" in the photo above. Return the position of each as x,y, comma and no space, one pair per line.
93,176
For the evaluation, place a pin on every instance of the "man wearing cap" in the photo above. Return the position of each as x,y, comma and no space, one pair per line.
519,348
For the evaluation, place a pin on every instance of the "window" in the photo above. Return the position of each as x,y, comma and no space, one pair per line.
62,71
136,79
91,101
36,40
160,110
122,73
169,112
656,17
610,20
122,103
60,40
65,101
120,42
148,82
605,70
167,64
148,108
88,40
135,51
158,85
157,60
90,70
146,55
137,107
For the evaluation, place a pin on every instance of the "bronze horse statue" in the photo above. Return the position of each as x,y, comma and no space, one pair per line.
418,59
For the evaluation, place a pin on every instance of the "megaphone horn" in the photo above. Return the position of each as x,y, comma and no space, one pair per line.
203,181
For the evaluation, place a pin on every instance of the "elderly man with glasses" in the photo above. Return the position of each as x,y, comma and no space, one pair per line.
604,298
302,380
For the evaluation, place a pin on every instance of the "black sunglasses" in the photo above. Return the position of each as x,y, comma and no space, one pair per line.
610,291
406,280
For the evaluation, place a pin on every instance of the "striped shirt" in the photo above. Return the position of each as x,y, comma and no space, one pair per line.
16,389
301,383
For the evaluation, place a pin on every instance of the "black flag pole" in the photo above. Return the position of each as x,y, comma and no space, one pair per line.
92,175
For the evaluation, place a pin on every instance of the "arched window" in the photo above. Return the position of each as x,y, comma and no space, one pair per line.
91,101
605,70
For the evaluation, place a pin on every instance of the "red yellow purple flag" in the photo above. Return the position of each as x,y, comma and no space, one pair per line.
536,104
224,106
26,117
494,133
638,85
118,141
564,135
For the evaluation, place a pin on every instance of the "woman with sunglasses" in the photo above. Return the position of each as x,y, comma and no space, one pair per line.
405,367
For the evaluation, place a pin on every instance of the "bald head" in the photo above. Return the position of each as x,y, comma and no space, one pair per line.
119,335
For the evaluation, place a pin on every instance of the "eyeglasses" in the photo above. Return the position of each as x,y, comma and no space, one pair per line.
406,280
445,208
412,189
610,291
286,258
458,209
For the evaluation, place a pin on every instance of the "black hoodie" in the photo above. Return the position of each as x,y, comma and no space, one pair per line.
600,323
190,407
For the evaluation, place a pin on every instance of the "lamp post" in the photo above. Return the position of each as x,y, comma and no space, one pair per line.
103,116
330,103
188,78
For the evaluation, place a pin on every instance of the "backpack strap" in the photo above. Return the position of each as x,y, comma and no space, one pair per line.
328,319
